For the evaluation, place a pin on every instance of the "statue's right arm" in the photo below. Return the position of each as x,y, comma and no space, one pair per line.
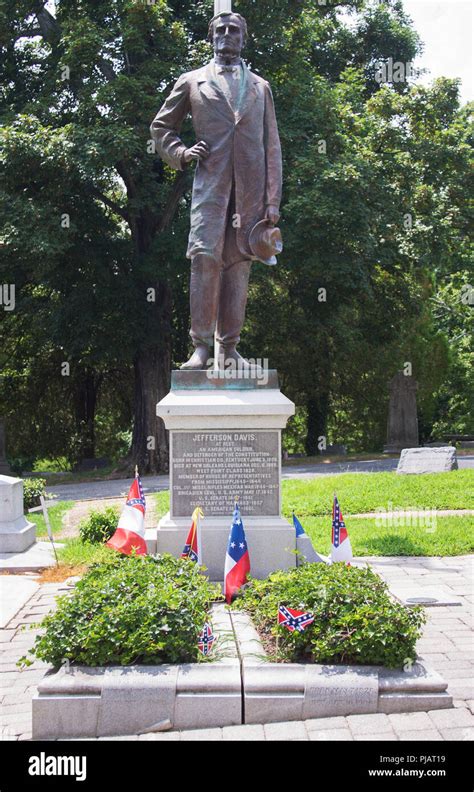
166,127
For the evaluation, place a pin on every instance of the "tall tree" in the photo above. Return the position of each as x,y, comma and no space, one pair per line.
82,80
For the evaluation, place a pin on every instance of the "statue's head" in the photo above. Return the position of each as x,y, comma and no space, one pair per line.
228,34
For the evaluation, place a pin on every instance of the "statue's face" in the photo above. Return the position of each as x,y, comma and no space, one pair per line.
228,36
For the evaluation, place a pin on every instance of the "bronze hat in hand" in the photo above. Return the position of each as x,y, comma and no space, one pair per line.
265,242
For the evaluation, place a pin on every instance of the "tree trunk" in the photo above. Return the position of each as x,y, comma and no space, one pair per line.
85,400
152,362
317,407
152,367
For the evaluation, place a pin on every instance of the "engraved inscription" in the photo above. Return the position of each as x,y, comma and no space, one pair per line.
354,695
213,468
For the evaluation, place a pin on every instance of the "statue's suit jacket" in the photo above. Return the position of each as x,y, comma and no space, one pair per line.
245,153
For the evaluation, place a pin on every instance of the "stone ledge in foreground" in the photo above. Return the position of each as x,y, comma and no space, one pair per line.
239,687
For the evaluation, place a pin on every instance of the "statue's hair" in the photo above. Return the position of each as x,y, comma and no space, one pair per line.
241,19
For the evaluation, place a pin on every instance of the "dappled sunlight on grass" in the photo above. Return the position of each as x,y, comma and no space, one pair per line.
450,536
359,493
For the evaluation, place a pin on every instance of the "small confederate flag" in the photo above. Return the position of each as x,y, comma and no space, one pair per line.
341,549
294,619
130,534
237,560
192,548
206,640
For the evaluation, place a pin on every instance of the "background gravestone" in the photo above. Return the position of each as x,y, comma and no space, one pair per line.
428,460
402,428
17,534
4,466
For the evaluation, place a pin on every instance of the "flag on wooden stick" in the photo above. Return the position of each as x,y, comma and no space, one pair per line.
237,560
206,640
294,620
341,549
130,534
306,552
192,548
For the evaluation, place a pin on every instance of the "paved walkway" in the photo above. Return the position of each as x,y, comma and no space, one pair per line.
446,646
365,466
15,591
116,488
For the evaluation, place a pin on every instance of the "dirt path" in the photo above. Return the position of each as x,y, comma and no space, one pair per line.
81,510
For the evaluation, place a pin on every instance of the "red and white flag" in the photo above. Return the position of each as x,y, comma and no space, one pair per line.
130,534
237,560
341,549
192,548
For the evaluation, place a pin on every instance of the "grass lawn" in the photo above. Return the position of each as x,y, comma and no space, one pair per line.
312,501
56,514
449,536
54,478
162,503
359,493
75,552
76,556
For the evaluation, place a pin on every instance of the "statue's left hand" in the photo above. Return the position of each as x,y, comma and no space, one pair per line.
272,215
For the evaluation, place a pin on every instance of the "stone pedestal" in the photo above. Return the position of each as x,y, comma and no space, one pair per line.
16,533
225,443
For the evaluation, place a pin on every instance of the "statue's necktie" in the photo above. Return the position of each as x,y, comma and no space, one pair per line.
229,79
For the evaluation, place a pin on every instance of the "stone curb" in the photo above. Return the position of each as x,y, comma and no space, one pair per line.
104,702
275,692
239,687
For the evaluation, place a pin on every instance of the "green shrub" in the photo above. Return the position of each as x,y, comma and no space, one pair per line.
20,463
99,525
355,619
129,610
56,465
33,488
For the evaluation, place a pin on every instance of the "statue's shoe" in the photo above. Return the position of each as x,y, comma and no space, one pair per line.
231,359
200,360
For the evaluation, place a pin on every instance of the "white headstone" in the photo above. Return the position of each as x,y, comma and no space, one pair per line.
428,460
16,533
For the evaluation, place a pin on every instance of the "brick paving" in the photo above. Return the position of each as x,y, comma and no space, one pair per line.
446,645
18,686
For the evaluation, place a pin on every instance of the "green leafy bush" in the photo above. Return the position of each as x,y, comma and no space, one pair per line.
99,525
20,463
355,619
127,611
33,488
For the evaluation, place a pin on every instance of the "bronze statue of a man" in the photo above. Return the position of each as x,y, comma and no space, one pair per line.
237,183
